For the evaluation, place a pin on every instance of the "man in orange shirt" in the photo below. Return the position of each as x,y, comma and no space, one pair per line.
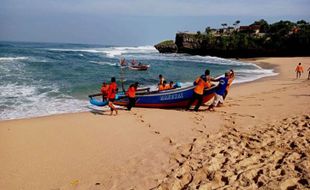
201,83
299,69
131,93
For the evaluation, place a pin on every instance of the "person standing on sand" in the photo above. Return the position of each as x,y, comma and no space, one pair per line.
112,90
131,93
309,73
220,91
201,83
299,69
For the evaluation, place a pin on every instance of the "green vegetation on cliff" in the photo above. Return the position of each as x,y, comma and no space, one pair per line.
283,38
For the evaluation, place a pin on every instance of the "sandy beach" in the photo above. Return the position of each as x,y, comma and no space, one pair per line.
259,138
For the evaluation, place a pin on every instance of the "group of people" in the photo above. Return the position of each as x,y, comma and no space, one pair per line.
204,82
133,62
162,85
299,70
109,91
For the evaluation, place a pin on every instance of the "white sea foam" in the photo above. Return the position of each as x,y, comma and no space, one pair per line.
104,63
112,52
26,101
12,58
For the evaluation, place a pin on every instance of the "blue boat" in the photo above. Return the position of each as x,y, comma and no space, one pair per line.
173,98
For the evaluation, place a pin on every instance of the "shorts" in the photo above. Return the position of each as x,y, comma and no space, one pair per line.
217,99
111,100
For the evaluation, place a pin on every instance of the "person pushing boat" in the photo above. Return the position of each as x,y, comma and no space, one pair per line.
200,83
131,94
220,91
112,90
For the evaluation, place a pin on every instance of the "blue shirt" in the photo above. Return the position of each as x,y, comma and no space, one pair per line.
221,88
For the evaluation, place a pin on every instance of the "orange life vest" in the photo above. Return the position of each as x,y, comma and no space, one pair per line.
112,90
104,89
299,68
167,87
131,92
200,86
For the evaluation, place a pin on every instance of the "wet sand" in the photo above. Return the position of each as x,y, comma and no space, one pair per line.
259,139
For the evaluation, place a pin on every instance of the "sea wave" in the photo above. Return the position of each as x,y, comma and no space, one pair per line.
104,63
12,58
112,52
27,101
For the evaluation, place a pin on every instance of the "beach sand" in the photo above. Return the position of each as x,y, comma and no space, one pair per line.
259,139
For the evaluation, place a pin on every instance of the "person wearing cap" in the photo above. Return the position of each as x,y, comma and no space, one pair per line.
220,91
131,93
200,84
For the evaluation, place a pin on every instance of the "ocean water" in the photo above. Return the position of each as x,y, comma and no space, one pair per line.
38,79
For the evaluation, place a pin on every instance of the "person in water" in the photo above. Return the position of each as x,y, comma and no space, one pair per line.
220,91
200,84
299,69
131,93
112,90
123,62
133,62
104,90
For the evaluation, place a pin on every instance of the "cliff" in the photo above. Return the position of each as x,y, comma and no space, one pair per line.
283,38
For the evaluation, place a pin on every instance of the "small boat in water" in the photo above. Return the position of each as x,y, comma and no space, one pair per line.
139,67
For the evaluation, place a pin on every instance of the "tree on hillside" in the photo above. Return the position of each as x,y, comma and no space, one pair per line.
236,23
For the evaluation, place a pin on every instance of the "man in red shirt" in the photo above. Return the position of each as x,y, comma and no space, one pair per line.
112,90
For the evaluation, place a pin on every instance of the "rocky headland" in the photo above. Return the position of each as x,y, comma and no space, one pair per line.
260,39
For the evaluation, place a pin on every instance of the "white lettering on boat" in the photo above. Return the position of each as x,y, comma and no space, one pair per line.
171,97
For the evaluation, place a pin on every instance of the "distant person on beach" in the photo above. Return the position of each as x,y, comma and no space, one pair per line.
200,84
299,69
112,90
220,91
309,73
131,93
230,80
104,90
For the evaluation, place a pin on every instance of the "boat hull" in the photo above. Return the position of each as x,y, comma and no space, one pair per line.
166,99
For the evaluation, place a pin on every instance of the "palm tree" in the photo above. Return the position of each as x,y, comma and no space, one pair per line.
224,24
236,23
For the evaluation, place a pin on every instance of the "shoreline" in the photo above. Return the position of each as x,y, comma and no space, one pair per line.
139,149
250,60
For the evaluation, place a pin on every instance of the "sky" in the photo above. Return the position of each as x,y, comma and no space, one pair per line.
133,22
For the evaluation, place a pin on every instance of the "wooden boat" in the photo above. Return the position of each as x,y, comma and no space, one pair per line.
177,97
139,67
173,98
